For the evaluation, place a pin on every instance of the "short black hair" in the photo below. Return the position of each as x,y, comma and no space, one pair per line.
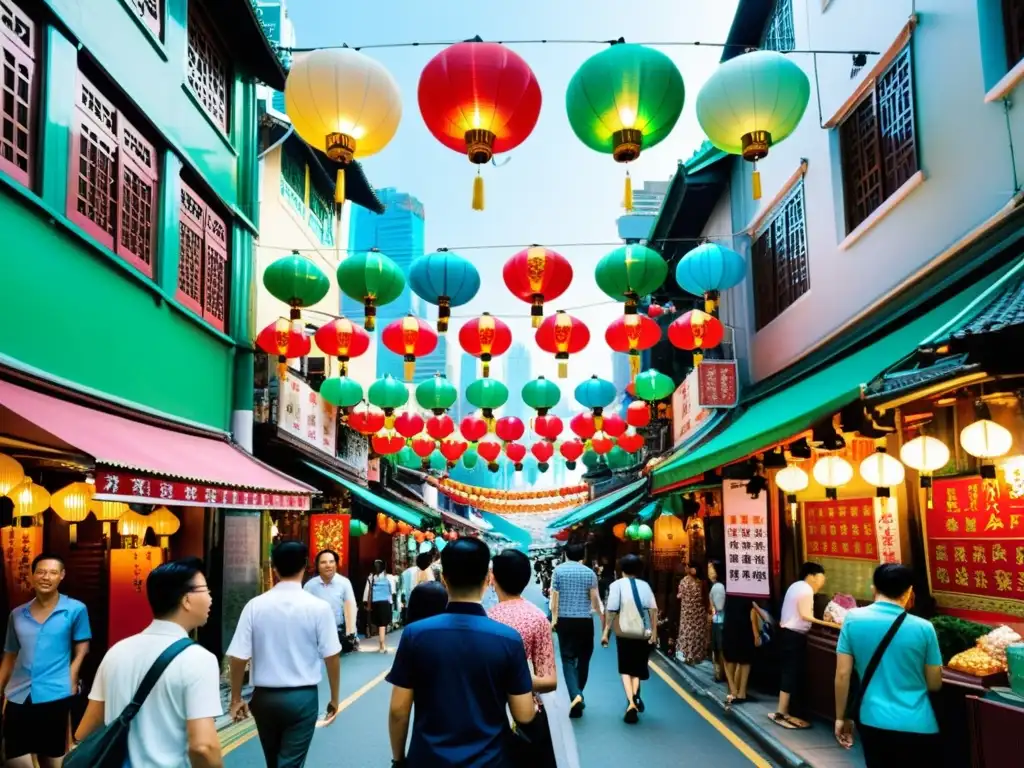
465,564
289,558
322,552
379,567
575,552
893,579
427,599
424,560
168,583
512,571
811,569
47,556
631,565
719,570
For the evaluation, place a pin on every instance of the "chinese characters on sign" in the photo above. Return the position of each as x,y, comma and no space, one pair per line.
843,528
717,384
302,413
747,553
21,545
130,487
976,538
687,415
887,527
129,608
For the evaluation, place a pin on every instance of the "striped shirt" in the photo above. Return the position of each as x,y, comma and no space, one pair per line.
573,582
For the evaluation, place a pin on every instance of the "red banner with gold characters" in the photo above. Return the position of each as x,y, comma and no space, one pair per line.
330,532
975,539
21,545
843,528
129,608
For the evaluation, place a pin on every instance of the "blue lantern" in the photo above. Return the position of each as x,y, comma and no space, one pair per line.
708,270
596,394
446,280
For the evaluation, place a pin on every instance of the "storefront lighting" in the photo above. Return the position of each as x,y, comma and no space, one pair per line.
925,454
791,481
71,503
984,439
12,474
132,524
832,472
108,512
29,499
164,524
882,471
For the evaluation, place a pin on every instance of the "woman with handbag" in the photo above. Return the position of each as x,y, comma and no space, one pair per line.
633,613
377,597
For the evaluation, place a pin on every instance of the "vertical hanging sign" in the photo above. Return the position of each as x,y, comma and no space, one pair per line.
747,560
887,529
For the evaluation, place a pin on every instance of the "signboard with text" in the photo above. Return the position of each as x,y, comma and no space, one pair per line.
137,488
844,528
747,552
303,414
718,385
687,415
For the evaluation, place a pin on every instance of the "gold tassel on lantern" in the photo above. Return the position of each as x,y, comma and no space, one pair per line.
634,365
627,198
282,368
563,369
339,187
756,181
478,192
698,356
486,368
409,367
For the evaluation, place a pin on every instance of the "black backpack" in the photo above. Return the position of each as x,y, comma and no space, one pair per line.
108,746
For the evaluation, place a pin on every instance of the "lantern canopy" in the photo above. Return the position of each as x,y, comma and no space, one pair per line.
652,386
535,275
541,394
696,331
629,273
487,395
372,278
343,339
341,391
281,340
446,280
631,335
409,337
485,337
562,335
752,102
388,394
708,270
436,394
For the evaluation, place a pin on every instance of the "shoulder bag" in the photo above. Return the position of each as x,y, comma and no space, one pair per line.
853,710
635,627
108,746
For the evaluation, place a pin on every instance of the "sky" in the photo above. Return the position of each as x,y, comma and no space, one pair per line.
553,190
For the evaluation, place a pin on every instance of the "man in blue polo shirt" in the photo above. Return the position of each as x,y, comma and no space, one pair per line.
462,669
47,640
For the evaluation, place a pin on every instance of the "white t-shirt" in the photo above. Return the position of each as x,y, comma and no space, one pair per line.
189,689
798,592
621,590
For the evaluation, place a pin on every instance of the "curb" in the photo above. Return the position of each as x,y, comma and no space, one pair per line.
775,748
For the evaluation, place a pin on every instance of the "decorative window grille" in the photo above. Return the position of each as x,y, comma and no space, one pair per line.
321,215
17,105
150,13
1013,24
207,68
878,142
114,177
293,180
779,259
203,262
779,33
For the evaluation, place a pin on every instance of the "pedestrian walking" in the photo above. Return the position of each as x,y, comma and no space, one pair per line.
716,598
692,640
633,614
898,661
377,596
427,599
175,727
47,641
574,596
283,635
741,634
795,622
465,673
336,590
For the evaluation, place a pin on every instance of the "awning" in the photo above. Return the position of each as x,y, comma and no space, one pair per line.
510,531
146,464
621,509
789,411
594,508
401,512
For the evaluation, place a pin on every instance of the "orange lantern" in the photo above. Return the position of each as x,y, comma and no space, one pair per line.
279,339
670,541
403,528
619,531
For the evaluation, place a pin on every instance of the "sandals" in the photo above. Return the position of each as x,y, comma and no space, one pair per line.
783,721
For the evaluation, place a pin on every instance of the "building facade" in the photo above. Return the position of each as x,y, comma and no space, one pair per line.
637,224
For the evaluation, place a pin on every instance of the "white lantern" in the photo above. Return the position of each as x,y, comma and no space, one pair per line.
925,454
984,439
882,470
832,472
792,479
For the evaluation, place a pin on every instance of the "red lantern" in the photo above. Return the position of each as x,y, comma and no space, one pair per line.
582,425
429,535
571,450
439,427
453,448
473,428
423,446
601,444
387,444
480,99
562,335
632,334
451,535
409,337
562,535
279,339
485,337
631,389
516,452
638,414
366,419
697,331
548,426
509,428
536,275
408,424
343,339
489,451
655,310
542,451
613,425
631,442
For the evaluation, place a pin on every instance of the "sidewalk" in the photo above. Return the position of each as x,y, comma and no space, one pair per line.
814,747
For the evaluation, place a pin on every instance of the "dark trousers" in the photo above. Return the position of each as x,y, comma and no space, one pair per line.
533,746
895,749
575,646
285,719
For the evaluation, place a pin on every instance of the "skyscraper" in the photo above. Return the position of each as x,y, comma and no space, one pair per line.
518,371
637,224
467,374
279,29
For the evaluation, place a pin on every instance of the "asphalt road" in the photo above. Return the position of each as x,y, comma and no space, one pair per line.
675,730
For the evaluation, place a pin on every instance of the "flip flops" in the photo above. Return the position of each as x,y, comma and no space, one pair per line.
783,721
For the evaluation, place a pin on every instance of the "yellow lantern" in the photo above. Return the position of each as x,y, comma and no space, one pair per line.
11,474
343,103
71,503
29,499
926,454
670,541
164,524
108,512
132,524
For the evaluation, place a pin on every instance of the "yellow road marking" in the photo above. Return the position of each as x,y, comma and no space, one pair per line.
251,733
718,725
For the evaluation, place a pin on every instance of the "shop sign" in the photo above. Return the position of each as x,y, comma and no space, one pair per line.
21,545
718,384
373,470
330,532
747,554
888,529
303,414
354,452
129,609
843,529
132,487
687,414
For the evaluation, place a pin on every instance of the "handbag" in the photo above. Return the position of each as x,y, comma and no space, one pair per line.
108,746
765,627
853,710
634,628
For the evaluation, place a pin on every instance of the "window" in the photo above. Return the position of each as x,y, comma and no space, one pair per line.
149,12
321,215
779,34
203,264
293,180
114,179
779,259
207,68
1013,23
878,142
17,118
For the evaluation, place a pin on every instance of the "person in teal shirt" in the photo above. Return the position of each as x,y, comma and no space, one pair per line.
897,724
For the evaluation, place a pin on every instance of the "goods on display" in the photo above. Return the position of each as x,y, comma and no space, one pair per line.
838,607
997,641
975,661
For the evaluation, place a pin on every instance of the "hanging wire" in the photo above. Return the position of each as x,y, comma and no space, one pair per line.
499,315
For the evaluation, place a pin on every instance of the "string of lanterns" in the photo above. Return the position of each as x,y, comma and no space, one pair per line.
496,493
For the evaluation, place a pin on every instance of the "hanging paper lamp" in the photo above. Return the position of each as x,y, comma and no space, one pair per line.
509,428
132,524
596,394
535,275
485,337
548,426
591,460
582,425
388,394
708,270
357,528
613,425
638,414
652,386
29,499
542,451
571,450
366,419
446,280
470,458
71,503
108,512
882,471
385,524
751,103
623,100
654,311
440,427
343,339
696,331
985,439
423,446
630,442
487,395
619,531
411,338
281,340
408,424
453,448
927,455
629,273
541,394
479,99
164,524
631,335
343,103
633,531
473,428
601,444
408,459
516,452
618,458
832,472
341,391
562,335
438,463
372,278
11,473
387,444
436,394
791,480
489,450
644,532
298,282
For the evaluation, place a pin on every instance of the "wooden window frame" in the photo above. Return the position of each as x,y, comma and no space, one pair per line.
780,264
199,23
196,219
18,47
1013,28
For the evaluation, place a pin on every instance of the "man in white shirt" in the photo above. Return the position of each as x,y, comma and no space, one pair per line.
285,633
175,726
337,591
795,621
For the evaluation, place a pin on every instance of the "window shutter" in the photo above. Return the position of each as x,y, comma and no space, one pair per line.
862,167
137,197
895,101
207,69
17,105
215,277
763,272
93,182
191,231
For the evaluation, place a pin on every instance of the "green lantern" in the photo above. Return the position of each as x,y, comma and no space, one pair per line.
296,281
408,459
633,531
541,394
341,391
470,458
372,278
752,102
652,386
644,532
388,393
487,395
357,528
438,462
625,99
617,458
436,394
629,273
590,459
